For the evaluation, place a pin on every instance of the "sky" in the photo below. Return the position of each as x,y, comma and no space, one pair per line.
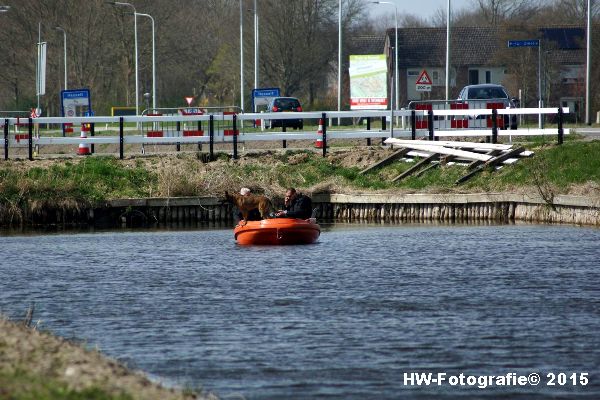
423,8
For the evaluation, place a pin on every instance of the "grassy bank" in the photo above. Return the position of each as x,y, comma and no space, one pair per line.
37,365
572,168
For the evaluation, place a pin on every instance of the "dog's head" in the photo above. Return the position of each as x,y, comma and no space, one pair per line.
227,199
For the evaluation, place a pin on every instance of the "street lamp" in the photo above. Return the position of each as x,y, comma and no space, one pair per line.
121,4
588,63
448,50
339,99
153,61
256,43
58,28
395,51
241,57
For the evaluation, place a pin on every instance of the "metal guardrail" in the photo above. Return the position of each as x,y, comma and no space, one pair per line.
211,133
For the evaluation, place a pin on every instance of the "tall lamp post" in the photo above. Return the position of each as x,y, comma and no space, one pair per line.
339,88
153,61
448,50
58,28
256,43
396,83
137,89
241,57
588,63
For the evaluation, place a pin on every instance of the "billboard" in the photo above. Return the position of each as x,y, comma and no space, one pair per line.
368,82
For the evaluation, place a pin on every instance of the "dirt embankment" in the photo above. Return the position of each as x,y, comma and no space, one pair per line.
31,361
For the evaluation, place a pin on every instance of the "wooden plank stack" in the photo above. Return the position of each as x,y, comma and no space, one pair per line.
477,156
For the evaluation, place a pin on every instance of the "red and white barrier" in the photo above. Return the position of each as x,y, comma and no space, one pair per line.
460,121
84,148
319,141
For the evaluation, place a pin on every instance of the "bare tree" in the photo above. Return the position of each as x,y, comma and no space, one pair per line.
498,11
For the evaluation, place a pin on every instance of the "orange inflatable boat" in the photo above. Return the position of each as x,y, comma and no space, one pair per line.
277,231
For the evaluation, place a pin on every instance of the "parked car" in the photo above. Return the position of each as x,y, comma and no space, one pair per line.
285,104
490,91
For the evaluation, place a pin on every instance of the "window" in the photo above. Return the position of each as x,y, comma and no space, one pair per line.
488,76
473,77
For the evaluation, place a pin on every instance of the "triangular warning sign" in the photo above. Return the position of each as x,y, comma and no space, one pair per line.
189,100
424,79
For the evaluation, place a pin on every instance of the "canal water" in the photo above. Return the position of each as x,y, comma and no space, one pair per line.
351,317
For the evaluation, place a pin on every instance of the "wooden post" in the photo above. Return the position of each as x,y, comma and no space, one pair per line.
324,117
92,132
413,124
6,139
561,131
178,129
494,125
235,149
211,134
30,141
121,146
430,124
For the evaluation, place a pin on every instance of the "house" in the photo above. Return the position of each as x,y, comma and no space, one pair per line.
481,55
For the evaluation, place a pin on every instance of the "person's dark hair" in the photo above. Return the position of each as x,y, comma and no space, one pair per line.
291,189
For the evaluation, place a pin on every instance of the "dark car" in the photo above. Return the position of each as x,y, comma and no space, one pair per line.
492,92
285,104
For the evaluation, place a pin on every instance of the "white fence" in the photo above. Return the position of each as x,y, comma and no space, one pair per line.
231,128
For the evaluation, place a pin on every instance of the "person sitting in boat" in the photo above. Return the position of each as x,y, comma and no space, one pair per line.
254,214
296,205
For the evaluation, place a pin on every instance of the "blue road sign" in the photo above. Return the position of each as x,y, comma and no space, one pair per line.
524,43
269,92
75,103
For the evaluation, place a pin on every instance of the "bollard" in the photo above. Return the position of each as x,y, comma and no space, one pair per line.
319,141
84,149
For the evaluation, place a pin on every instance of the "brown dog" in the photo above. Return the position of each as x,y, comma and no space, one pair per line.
247,203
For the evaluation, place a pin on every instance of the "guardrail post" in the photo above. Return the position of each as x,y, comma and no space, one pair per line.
430,124
368,128
413,124
121,129
324,117
30,141
235,150
6,139
200,130
178,128
211,136
383,127
494,125
561,131
92,133
283,130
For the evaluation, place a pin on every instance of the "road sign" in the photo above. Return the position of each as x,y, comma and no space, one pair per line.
189,99
424,82
524,43
263,96
75,103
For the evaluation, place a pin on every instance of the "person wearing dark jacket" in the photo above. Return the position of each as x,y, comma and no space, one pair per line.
296,205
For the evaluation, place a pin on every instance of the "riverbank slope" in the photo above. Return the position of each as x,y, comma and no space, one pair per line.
38,365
